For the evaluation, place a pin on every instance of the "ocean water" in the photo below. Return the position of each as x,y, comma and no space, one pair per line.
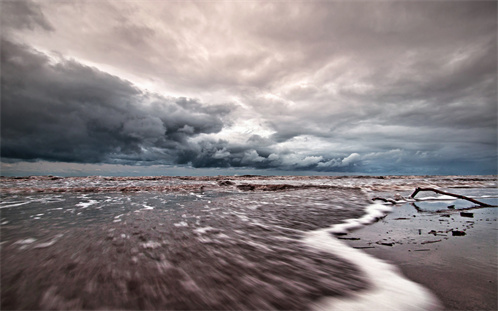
216,243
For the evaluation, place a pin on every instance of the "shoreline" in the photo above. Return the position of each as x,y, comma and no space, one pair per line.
389,290
461,270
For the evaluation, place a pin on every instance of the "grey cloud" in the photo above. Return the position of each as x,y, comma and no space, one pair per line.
23,14
70,112
133,34
201,46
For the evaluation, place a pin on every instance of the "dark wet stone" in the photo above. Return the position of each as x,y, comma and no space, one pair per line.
467,214
458,233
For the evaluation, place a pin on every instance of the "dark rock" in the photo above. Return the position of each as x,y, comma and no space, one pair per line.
466,214
451,206
225,183
434,232
339,233
246,187
458,233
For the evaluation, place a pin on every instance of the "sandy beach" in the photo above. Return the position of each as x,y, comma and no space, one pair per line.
245,243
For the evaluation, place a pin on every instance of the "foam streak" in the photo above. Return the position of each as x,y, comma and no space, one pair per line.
389,290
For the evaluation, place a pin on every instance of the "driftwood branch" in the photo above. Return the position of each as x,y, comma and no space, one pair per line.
449,194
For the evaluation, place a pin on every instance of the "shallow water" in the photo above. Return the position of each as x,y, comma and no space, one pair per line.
186,243
461,268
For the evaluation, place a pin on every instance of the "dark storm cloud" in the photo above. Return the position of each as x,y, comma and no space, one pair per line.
61,110
65,111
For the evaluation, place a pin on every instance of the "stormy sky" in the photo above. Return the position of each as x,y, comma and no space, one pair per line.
373,87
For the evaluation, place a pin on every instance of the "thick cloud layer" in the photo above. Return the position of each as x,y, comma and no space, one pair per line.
379,87
70,112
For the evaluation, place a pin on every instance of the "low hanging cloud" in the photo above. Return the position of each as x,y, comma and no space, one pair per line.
65,111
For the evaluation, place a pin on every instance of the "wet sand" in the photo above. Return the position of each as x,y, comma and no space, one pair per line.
154,250
460,269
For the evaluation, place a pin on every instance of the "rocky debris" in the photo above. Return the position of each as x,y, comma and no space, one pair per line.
466,214
225,183
437,233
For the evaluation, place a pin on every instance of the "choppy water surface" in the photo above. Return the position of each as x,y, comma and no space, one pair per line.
186,243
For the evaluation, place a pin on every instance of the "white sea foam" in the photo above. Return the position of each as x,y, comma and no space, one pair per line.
151,244
389,289
181,224
13,205
204,230
49,243
147,207
25,241
87,204
438,198
374,212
